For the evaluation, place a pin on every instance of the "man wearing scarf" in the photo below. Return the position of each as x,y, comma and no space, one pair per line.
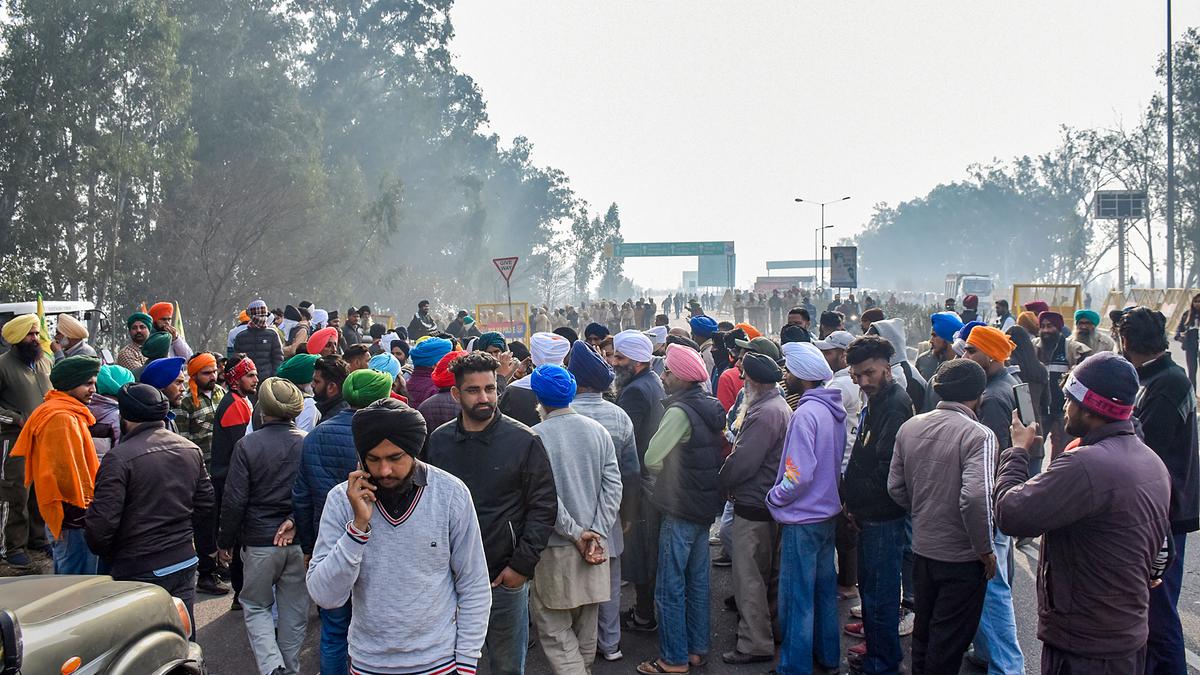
196,421
232,418
61,460
1059,355
139,325
24,382
70,338
571,578
260,342
163,314
371,521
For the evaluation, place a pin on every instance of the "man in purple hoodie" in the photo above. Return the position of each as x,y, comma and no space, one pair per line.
805,501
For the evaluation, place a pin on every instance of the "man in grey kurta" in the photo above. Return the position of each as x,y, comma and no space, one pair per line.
571,578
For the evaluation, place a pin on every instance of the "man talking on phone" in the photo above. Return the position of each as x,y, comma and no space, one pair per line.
1102,510
400,537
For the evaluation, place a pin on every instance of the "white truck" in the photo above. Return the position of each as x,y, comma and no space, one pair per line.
960,285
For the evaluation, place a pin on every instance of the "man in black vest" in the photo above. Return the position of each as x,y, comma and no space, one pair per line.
685,455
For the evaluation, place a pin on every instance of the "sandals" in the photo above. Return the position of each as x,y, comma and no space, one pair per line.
655,667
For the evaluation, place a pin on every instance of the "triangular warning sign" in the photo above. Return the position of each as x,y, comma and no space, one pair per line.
506,266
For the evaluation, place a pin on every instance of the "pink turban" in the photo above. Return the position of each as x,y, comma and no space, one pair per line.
686,363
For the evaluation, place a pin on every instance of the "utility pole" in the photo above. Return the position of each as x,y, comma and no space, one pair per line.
1121,255
1170,156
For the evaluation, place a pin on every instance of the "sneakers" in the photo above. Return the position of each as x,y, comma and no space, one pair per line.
907,619
722,561
614,655
210,584
854,630
856,611
714,540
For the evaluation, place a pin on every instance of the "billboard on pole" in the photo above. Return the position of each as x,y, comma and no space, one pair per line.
843,267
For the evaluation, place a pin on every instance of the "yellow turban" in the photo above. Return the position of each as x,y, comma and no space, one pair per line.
18,327
71,327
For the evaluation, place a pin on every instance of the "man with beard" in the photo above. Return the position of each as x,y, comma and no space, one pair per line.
1086,322
1059,355
1102,511
163,314
139,326
24,381
166,375
327,455
329,373
436,602
684,457
639,394
1166,408
505,466
322,342
422,323
357,357
232,418
944,325
70,338
195,420
1004,318
831,321
260,343
351,332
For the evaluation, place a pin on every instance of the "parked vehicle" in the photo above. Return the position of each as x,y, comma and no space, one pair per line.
99,327
92,624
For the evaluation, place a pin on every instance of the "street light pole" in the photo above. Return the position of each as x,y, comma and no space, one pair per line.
821,279
1170,159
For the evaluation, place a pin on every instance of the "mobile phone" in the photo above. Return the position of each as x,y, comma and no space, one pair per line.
1024,403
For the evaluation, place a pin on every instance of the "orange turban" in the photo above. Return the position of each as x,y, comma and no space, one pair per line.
1028,321
991,341
751,331
243,317
161,309
198,363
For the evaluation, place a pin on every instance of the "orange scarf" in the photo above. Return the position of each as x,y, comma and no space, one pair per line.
60,459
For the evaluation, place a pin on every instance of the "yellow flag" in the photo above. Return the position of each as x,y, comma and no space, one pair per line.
43,331
179,322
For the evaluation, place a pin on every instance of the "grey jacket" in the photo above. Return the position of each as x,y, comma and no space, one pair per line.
258,489
749,472
586,475
942,473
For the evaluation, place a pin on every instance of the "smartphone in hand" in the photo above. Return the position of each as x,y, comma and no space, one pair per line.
1024,404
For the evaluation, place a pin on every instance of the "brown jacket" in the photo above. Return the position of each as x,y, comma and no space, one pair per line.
942,473
1103,510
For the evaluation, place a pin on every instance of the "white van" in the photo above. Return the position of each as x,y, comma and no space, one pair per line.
98,325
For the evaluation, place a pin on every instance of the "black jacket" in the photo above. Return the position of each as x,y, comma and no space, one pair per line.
152,493
688,487
263,347
228,429
258,489
864,490
520,404
1166,408
641,399
508,472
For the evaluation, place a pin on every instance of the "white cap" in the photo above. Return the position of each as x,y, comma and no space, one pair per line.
838,339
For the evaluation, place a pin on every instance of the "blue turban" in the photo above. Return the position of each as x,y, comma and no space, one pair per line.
491,339
702,326
597,329
385,363
965,331
589,368
1088,314
553,384
945,325
430,351
160,373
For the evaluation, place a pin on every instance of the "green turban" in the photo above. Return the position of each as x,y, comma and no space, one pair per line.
491,339
157,345
1088,315
74,371
364,387
298,369
141,317
111,378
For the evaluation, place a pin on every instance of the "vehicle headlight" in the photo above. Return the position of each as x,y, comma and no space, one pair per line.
184,618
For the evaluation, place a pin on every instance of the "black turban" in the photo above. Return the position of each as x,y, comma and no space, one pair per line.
139,402
388,420
761,368
959,380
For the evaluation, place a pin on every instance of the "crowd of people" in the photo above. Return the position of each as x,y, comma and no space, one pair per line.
436,490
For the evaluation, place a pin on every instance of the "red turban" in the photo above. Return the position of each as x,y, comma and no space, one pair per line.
442,377
161,309
321,339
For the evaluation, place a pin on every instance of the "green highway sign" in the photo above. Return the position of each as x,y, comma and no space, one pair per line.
671,248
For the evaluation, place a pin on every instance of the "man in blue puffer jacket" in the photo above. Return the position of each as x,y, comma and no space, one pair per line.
327,459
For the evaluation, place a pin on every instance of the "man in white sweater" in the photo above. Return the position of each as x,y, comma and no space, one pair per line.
400,538
571,578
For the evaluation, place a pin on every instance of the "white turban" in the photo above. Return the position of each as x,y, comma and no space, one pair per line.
548,348
634,345
658,335
806,362
71,327
320,317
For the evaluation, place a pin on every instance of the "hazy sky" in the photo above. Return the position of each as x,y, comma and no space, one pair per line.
704,120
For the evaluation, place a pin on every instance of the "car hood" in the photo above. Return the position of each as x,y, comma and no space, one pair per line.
35,599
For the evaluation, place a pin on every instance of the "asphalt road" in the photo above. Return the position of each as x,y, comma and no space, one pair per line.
222,633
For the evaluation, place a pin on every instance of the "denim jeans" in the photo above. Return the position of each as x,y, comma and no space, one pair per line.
681,590
335,632
71,553
181,584
508,631
723,533
907,585
996,640
880,559
808,606
1165,648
